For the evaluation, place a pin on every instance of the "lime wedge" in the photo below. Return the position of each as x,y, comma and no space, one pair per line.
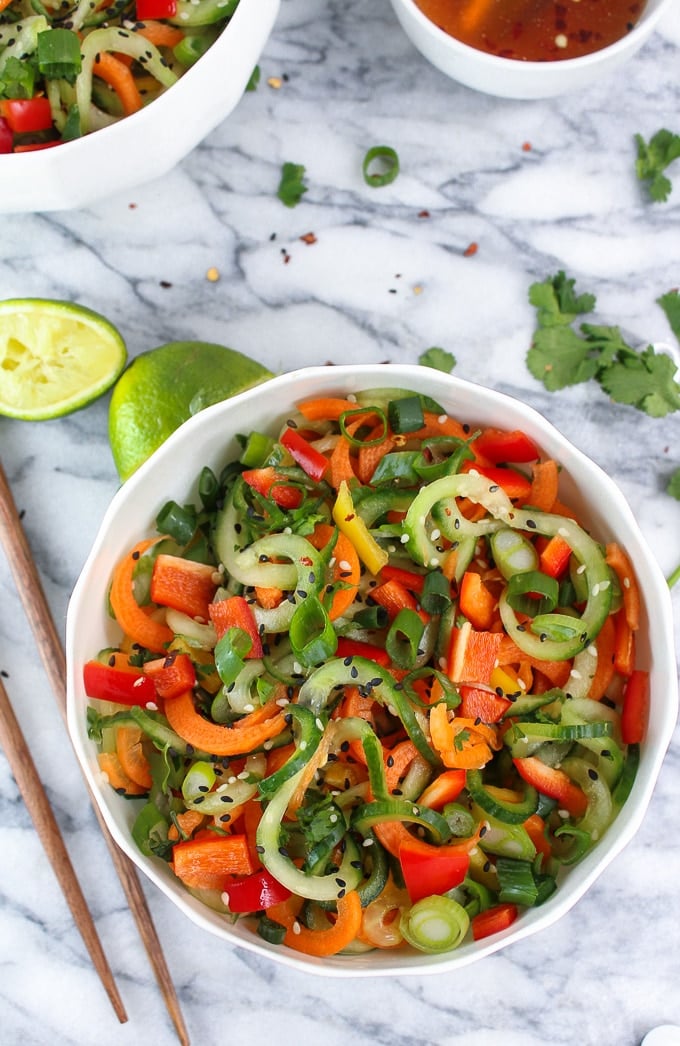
55,357
164,387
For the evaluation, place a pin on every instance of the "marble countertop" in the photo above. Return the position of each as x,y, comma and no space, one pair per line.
537,187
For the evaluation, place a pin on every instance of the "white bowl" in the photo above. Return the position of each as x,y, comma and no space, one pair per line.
511,78
209,439
148,143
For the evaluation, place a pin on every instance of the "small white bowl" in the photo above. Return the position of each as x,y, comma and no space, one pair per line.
511,78
148,143
209,438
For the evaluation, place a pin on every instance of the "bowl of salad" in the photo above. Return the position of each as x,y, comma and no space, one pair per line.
370,670
97,98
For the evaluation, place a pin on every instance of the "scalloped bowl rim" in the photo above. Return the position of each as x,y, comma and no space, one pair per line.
208,438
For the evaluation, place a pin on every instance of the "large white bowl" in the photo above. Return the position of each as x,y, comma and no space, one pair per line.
510,78
209,439
148,143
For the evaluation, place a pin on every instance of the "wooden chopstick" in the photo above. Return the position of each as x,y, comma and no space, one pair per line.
37,610
36,801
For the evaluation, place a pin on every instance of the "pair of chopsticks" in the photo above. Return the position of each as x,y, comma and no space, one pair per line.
35,604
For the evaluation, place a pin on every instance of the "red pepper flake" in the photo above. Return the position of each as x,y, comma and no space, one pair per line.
526,147
423,214
285,255
308,237
471,249
349,518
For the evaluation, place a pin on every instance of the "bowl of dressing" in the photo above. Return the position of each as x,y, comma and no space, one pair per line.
528,48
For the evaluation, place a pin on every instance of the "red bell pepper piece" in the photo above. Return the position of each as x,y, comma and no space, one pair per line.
476,601
635,712
356,648
235,612
554,783
27,114
155,9
554,556
408,578
116,684
256,892
472,655
497,446
183,585
310,460
445,788
6,136
172,675
482,704
270,484
493,920
428,874
515,484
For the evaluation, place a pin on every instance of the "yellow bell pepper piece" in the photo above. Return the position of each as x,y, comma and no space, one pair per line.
353,527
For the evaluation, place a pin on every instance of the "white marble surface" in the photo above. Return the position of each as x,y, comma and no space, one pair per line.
382,282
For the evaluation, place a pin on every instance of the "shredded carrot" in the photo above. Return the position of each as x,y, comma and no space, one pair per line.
187,823
325,408
544,485
109,763
604,672
117,75
208,863
369,457
617,559
160,33
248,733
133,619
268,597
130,752
476,602
397,761
346,567
393,834
320,942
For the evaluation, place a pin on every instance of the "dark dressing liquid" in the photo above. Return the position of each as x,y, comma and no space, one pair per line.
535,30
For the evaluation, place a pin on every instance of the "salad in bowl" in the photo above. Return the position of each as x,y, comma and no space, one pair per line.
379,682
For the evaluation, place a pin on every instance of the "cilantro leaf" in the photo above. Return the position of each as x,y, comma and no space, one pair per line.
438,359
291,187
673,487
556,302
670,303
645,380
653,158
559,357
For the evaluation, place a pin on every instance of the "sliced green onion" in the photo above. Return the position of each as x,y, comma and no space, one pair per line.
436,594
435,924
388,166
405,415
59,54
270,931
403,639
532,593
516,881
371,618
578,843
150,832
194,46
513,553
312,636
257,449
208,488
362,412
230,651
177,521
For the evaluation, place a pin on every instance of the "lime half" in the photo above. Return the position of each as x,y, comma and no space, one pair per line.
55,357
164,387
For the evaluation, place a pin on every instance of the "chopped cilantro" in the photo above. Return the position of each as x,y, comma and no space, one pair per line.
561,355
254,79
437,359
653,157
670,303
291,187
673,487
556,302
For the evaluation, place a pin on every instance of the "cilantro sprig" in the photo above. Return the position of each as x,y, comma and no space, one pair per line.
653,157
437,359
291,186
562,354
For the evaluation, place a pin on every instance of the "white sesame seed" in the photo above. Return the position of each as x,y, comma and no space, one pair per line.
561,40
151,706
224,897
249,708
404,539
296,927
435,534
